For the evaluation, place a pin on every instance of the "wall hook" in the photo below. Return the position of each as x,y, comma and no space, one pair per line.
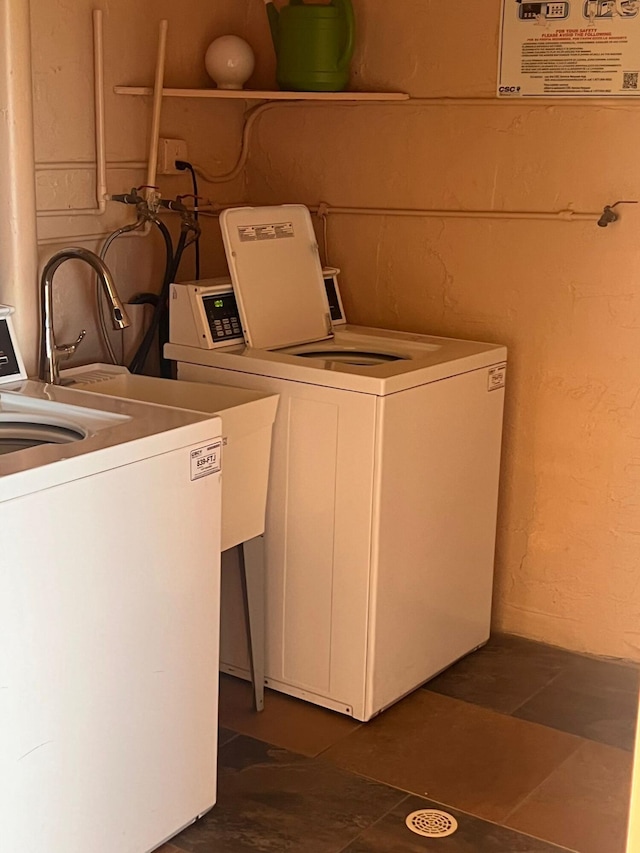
609,215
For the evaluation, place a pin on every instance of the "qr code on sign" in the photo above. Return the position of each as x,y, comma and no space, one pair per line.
630,80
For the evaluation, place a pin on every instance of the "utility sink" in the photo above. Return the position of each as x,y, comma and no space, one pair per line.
247,420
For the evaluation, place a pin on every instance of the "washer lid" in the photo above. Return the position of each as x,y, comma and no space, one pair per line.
277,275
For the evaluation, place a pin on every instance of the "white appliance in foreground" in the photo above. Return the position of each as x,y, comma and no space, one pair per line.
383,490
109,614
247,420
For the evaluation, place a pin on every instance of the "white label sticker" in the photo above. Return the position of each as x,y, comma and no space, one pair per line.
270,231
497,377
206,460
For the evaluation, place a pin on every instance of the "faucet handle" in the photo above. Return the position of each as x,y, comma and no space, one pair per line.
69,349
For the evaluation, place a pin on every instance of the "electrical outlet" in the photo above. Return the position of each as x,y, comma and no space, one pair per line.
170,150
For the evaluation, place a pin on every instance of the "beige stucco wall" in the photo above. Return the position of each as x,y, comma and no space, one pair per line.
564,297
64,128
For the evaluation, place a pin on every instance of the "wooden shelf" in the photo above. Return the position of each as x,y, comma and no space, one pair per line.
253,95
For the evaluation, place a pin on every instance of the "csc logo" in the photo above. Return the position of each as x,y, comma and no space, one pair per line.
509,90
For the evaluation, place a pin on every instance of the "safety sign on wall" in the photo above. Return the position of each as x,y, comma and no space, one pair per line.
569,49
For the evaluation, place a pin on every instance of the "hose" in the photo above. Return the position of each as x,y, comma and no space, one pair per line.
182,165
141,354
163,322
160,320
99,299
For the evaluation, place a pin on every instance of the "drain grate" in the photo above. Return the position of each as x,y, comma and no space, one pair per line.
432,823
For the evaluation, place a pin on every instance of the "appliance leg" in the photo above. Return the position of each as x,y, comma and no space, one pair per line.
252,565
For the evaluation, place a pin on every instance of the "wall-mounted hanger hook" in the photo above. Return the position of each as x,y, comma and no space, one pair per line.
608,214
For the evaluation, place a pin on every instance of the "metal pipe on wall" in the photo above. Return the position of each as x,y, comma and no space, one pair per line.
99,131
98,93
18,243
154,135
566,215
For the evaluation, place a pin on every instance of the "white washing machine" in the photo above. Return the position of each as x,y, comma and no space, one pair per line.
383,488
109,613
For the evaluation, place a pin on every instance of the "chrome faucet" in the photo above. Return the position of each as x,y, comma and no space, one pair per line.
49,370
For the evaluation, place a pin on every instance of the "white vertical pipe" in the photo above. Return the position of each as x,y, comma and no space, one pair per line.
99,133
98,93
18,240
158,86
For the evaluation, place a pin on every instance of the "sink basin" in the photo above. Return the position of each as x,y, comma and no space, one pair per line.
247,420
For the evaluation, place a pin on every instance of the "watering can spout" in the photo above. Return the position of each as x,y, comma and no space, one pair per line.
274,20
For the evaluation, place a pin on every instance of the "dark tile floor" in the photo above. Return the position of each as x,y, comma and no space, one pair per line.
592,698
527,746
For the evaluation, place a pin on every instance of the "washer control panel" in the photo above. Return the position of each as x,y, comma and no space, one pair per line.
205,314
222,315
11,364
330,275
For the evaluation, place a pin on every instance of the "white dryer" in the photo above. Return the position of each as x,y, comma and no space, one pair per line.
383,490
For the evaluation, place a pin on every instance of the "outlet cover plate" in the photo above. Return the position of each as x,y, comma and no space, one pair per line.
170,150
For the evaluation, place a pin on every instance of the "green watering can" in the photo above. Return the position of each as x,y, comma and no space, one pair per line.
314,44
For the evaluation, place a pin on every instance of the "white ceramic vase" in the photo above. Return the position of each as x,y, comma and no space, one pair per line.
229,61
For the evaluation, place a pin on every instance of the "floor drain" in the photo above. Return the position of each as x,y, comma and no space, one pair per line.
432,823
